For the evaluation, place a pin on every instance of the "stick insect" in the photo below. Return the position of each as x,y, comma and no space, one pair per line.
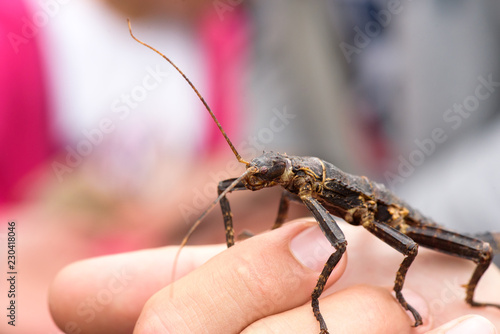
327,192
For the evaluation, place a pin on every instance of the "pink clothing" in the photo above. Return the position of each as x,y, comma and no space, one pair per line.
25,139
226,41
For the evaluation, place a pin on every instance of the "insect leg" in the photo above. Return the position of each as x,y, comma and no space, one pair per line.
286,196
226,209
405,245
455,244
336,237
493,238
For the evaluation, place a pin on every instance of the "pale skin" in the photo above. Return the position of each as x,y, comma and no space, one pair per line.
261,285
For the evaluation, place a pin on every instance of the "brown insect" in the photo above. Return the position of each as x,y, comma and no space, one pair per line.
327,191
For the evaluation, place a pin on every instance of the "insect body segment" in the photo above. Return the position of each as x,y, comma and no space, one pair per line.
327,191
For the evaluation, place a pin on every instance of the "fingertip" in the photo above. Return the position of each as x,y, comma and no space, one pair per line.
60,296
312,249
149,322
465,325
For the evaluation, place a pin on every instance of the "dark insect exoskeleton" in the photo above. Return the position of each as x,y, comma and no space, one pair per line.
327,191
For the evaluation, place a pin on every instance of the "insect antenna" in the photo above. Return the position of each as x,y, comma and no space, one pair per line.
200,219
238,156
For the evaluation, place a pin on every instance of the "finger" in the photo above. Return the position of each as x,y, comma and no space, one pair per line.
107,294
254,279
358,309
466,325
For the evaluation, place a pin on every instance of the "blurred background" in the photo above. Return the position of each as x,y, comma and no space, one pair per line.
104,148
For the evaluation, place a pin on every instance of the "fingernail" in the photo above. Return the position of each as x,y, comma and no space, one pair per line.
471,324
311,248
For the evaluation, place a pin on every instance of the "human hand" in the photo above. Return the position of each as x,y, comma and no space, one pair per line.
255,286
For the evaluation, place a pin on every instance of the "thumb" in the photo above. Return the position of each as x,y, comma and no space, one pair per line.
257,278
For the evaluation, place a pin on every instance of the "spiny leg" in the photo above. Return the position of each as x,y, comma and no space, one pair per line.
455,244
404,245
226,209
283,208
336,237
493,238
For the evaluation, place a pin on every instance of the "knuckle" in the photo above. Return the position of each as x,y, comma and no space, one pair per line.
150,321
374,300
381,306
486,253
258,281
261,283
164,315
